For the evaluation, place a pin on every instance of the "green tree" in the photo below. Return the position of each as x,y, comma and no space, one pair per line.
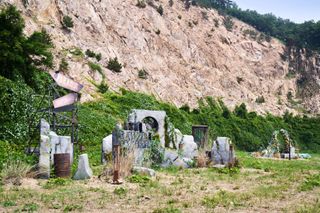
22,58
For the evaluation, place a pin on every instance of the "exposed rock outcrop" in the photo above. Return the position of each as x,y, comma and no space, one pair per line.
187,55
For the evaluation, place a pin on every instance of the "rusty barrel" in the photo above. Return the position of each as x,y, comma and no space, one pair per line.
62,165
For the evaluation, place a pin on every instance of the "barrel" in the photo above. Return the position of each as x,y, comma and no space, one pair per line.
62,165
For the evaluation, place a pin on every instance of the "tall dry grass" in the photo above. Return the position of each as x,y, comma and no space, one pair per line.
127,160
14,171
202,159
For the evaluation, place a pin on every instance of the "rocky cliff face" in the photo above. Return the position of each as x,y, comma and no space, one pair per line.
188,54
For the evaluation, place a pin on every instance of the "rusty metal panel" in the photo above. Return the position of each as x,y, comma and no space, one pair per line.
66,82
65,100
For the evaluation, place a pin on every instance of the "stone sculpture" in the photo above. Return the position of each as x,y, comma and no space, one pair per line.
159,116
84,171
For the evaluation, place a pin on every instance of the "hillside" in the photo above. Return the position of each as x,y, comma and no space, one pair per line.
188,54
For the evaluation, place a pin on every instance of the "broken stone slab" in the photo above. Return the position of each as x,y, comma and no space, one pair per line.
222,151
169,157
304,156
183,162
106,148
189,147
54,141
144,171
84,171
44,159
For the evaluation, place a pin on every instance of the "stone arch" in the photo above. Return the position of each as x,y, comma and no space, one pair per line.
151,124
159,117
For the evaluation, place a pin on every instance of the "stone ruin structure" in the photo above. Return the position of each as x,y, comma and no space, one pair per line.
138,131
222,152
50,144
150,120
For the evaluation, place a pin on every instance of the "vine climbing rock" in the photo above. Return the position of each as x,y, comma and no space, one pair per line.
84,171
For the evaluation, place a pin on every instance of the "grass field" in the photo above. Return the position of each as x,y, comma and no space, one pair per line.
260,185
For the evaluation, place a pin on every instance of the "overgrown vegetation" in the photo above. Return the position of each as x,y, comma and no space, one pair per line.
76,51
311,182
14,171
247,130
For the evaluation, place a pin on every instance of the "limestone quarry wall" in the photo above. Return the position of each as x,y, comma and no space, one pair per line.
188,54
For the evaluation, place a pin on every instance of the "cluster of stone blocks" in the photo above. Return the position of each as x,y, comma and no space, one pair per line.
50,144
182,148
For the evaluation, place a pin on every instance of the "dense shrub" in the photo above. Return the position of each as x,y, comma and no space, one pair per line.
67,22
170,3
103,87
17,107
143,74
92,54
98,56
114,65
